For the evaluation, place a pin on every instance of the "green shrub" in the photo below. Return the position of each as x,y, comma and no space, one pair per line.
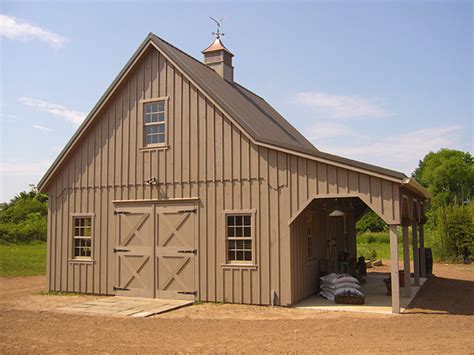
371,222
24,219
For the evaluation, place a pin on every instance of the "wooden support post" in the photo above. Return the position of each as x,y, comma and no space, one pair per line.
394,269
416,253
421,230
406,262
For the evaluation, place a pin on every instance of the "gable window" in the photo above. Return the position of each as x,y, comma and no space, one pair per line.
154,120
82,237
239,238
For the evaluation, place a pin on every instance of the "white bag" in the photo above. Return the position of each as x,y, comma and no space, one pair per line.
330,278
340,278
347,285
327,295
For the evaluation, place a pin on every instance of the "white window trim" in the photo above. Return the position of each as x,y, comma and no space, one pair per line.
73,257
243,263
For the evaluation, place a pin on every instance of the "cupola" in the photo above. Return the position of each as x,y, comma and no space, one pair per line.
219,58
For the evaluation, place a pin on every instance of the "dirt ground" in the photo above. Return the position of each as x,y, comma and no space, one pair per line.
441,320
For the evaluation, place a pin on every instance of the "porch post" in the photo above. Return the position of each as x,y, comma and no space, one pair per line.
394,269
421,230
406,261
416,252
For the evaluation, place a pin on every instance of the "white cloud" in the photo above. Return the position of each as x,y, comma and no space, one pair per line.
42,128
35,168
340,107
69,115
400,151
14,28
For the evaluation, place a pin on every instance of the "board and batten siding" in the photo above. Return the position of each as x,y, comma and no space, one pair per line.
207,157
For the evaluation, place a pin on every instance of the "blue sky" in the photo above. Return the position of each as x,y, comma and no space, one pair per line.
382,82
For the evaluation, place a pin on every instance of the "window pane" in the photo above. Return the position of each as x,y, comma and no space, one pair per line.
248,244
247,232
148,140
154,139
87,232
230,255
247,220
161,106
154,117
230,220
238,231
87,221
147,108
154,107
160,116
238,220
230,232
161,128
248,256
239,255
161,138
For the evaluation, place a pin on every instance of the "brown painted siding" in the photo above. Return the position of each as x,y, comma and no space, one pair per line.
208,158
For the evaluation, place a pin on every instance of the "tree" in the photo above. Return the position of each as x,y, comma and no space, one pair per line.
448,174
24,218
371,222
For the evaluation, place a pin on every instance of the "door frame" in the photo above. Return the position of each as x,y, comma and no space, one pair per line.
123,204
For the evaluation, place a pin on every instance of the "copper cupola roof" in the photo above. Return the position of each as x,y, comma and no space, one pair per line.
217,45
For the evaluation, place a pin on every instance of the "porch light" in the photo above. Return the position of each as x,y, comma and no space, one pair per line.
337,212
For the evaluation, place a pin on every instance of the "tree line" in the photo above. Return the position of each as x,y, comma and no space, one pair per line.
449,176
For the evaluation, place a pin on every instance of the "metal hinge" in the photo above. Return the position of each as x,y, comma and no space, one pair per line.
188,211
188,292
192,251
117,250
121,289
120,212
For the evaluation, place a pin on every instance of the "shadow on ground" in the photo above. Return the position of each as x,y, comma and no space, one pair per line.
444,295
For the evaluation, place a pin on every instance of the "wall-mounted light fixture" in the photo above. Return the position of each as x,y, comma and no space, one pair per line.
151,181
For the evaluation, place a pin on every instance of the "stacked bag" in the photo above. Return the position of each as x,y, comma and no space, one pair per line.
333,285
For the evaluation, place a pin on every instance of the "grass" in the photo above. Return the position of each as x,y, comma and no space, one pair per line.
23,259
59,293
377,245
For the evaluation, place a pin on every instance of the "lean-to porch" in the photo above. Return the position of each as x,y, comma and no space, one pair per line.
323,240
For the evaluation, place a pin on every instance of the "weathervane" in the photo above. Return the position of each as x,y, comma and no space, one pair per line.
218,33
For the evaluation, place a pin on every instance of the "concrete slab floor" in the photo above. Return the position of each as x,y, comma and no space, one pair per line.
126,306
376,298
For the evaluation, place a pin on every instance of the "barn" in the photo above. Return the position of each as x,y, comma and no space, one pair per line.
183,184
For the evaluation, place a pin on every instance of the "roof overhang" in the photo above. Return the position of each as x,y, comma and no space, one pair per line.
417,188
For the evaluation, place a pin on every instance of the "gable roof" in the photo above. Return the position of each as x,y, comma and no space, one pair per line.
256,117
251,112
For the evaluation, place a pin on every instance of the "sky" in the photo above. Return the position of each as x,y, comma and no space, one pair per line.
381,82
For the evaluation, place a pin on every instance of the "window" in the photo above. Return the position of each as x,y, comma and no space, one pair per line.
82,237
154,118
239,238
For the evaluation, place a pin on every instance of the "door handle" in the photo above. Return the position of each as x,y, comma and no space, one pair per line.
193,251
117,250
